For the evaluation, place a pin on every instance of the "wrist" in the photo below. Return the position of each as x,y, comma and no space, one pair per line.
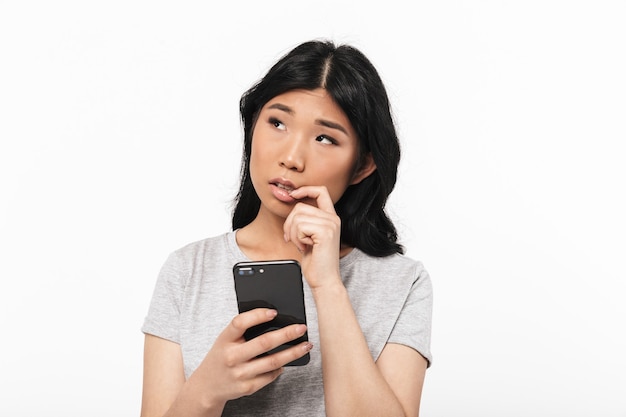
332,290
206,403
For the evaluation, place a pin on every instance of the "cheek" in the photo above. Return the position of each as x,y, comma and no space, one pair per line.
256,165
261,159
257,151
336,180
261,143
254,161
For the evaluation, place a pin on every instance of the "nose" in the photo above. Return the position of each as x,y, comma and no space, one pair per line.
292,156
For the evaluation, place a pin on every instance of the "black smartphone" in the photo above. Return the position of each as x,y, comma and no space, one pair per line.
276,285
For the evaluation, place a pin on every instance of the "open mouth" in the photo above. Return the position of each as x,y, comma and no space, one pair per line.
284,187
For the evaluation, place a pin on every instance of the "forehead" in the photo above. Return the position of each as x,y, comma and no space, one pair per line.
315,103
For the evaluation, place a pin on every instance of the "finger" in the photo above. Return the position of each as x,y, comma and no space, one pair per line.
280,359
304,221
270,340
307,231
263,379
317,193
243,321
251,385
296,233
300,211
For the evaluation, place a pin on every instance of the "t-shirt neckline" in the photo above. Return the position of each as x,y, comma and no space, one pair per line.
231,237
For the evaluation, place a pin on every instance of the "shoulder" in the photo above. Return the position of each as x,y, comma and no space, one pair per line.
389,280
214,245
395,268
392,299
191,257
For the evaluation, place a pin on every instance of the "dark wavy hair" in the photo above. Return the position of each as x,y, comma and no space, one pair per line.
355,85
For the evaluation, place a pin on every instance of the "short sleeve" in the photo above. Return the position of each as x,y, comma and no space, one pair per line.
163,317
413,327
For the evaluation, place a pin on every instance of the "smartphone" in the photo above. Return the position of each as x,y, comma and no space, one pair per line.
276,285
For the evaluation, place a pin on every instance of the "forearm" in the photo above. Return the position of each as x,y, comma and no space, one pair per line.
353,384
190,402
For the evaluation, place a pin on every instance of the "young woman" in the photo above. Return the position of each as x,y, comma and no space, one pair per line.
320,160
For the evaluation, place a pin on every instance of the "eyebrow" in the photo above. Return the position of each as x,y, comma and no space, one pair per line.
321,122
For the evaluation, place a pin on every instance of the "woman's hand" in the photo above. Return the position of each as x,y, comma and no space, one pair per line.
315,228
231,369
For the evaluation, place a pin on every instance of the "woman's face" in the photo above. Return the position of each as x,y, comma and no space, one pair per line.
302,137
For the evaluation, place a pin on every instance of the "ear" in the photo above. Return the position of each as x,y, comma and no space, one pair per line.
366,169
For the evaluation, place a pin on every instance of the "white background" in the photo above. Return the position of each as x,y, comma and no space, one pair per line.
120,142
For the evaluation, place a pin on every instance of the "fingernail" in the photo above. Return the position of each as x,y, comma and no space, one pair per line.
301,329
307,346
272,313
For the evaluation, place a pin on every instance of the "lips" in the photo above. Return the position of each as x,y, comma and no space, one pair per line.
281,188
283,183
284,187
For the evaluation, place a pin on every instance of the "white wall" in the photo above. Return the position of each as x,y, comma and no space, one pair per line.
120,142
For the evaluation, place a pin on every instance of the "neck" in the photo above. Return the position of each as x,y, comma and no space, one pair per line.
263,239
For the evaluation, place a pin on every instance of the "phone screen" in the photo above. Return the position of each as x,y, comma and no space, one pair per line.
276,285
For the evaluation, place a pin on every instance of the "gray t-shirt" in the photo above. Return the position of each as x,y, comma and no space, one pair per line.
194,300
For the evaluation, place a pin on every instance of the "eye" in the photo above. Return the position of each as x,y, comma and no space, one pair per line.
326,140
276,123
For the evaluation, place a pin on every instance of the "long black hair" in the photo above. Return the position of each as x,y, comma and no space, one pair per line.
355,85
